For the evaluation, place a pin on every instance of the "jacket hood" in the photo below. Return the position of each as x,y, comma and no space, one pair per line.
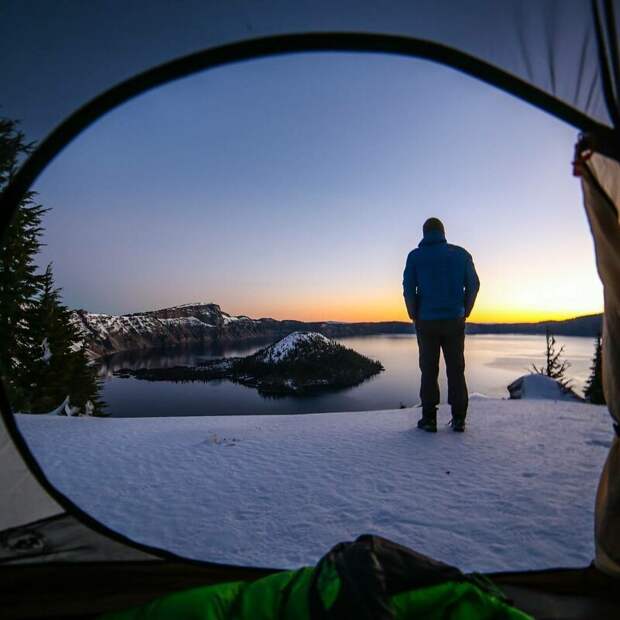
432,237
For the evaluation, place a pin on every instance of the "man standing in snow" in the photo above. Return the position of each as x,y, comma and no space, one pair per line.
440,285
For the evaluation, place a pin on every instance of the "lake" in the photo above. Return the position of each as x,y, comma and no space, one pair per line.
492,362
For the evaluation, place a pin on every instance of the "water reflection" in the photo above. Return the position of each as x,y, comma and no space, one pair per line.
177,356
493,361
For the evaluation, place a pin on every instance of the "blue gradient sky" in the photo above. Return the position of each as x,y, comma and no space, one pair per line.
294,187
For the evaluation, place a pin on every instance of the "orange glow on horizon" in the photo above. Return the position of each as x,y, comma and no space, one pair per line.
382,312
521,291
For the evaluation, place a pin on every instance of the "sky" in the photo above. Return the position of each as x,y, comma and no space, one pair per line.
294,187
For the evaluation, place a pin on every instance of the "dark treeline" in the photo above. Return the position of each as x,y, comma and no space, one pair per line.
41,356
594,386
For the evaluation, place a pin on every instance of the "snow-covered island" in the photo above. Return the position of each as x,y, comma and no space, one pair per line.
301,363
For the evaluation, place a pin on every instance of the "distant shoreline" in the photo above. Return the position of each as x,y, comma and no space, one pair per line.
589,326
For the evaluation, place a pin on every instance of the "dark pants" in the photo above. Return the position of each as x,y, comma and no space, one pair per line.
449,336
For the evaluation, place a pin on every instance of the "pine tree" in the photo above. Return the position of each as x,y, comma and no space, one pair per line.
41,356
19,281
554,367
62,368
593,391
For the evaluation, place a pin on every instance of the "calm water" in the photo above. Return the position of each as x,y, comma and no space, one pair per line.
492,363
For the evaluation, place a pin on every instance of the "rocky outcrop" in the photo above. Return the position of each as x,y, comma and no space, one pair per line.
537,386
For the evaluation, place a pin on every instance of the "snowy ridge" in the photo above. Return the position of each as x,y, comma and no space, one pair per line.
107,333
196,303
185,319
228,318
290,344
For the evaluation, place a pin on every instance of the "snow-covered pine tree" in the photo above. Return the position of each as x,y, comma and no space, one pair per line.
593,391
554,366
19,281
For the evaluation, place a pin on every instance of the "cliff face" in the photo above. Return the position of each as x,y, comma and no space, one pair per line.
188,324
181,325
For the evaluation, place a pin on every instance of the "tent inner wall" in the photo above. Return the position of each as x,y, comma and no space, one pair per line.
22,497
601,190
55,56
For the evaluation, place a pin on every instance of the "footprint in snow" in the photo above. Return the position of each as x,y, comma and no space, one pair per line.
214,440
599,442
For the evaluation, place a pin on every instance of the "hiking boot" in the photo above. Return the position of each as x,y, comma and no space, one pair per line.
458,425
428,425
428,422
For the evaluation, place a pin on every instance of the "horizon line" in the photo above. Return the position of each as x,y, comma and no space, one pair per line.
351,322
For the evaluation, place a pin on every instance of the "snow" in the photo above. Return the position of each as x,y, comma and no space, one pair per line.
47,353
191,305
515,491
69,410
477,396
103,327
60,410
106,325
284,347
539,386
228,318
192,320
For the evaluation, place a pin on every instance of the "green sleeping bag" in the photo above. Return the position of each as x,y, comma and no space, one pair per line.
371,578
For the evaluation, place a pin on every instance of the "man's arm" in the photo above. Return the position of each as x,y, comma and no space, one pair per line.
472,285
410,287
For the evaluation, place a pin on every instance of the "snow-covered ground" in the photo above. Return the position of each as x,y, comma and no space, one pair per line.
515,491
535,385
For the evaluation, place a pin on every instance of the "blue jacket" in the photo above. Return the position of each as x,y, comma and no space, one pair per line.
440,280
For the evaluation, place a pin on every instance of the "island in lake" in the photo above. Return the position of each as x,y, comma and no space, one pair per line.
302,363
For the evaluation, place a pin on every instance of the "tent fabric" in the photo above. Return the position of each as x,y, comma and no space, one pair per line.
83,590
62,538
34,527
601,190
22,497
86,589
56,56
